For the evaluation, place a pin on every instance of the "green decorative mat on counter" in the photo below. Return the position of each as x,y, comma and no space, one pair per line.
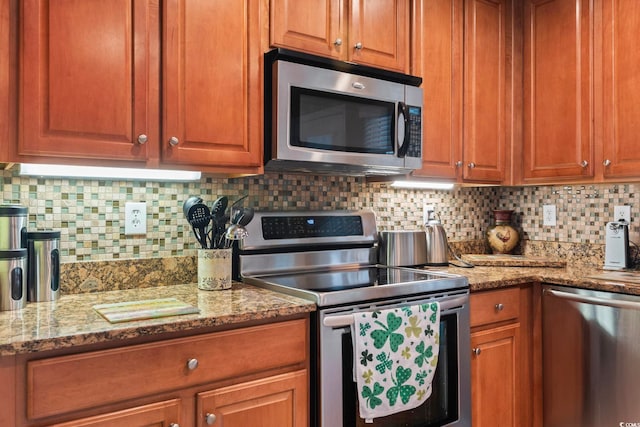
144,309
505,260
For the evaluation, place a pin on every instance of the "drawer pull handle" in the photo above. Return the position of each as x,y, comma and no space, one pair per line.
499,307
173,141
192,364
174,425
477,351
210,419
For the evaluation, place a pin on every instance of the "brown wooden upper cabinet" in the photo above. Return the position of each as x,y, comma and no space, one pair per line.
581,89
120,81
619,141
368,32
463,51
558,100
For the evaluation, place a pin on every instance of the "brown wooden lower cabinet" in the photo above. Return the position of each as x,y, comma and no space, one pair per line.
250,376
503,385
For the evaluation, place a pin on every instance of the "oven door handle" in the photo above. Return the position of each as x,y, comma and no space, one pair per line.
343,320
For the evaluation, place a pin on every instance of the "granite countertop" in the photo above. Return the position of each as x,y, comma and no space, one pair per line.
71,320
491,277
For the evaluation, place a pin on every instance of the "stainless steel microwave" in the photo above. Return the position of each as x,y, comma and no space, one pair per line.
328,116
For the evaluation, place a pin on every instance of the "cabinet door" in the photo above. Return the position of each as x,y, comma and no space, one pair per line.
558,136
379,33
485,126
161,414
279,401
87,73
212,103
437,58
621,89
7,79
495,377
315,27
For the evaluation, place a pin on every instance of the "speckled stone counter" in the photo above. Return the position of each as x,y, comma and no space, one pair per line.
483,278
71,320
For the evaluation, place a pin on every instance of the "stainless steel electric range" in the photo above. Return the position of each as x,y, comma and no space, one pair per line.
330,257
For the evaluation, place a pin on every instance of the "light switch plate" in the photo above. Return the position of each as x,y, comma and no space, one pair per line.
135,218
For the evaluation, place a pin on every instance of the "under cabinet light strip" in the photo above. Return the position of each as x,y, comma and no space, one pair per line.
98,172
427,185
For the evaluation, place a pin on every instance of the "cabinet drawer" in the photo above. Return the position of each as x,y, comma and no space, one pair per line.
67,383
494,306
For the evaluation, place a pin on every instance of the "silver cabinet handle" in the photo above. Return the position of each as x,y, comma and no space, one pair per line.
338,42
358,46
607,162
210,419
477,351
459,164
499,307
142,138
173,141
174,425
584,163
471,165
192,364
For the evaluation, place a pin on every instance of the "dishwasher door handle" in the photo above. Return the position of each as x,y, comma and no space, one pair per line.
343,320
594,300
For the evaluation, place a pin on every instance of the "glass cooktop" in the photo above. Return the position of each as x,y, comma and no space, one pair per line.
335,287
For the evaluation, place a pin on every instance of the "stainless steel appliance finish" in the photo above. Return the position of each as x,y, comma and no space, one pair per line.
591,354
43,280
13,227
616,251
13,280
327,116
437,243
403,248
329,258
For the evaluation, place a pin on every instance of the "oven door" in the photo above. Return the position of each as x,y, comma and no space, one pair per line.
335,391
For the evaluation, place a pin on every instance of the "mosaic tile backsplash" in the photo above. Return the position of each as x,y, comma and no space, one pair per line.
90,213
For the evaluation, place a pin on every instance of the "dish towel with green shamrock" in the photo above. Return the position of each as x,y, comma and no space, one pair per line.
395,358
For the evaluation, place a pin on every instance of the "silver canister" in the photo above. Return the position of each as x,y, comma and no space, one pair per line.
44,265
13,227
13,267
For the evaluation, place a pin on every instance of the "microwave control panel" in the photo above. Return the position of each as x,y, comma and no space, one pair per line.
415,131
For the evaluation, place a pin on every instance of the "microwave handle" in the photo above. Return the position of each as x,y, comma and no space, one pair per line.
402,150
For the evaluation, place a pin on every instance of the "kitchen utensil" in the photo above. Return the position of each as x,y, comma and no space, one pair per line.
13,227
247,216
402,248
43,279
199,216
192,200
219,219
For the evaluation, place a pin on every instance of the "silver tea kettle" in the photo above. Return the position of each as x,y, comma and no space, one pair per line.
437,245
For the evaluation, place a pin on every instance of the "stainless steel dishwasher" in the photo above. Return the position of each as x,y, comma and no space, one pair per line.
591,358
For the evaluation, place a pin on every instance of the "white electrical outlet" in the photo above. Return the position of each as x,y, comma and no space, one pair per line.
135,218
426,208
549,215
622,212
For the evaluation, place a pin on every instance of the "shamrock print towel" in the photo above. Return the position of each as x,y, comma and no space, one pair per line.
395,358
